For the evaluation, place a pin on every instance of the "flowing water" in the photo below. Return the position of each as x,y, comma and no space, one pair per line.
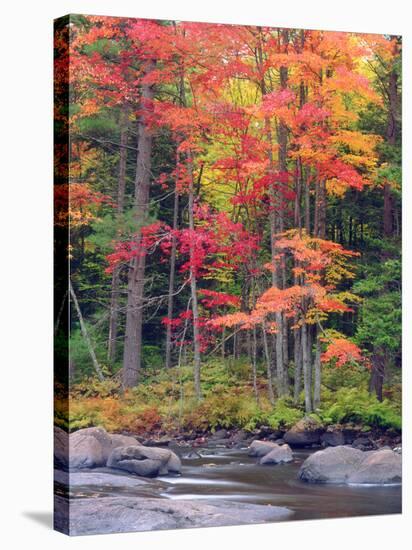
231,475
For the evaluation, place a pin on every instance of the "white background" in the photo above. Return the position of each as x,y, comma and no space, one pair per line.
26,271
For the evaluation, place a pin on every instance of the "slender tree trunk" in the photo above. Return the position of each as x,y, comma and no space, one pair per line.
223,346
391,131
193,286
283,167
271,394
114,299
310,357
254,365
285,353
307,207
316,212
134,312
377,374
318,375
306,368
298,195
170,298
273,225
85,334
298,364
322,210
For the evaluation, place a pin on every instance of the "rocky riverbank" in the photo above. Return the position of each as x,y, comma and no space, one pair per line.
123,514
307,433
225,478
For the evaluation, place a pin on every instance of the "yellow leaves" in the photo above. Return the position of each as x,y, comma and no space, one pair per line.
356,141
338,269
357,150
336,187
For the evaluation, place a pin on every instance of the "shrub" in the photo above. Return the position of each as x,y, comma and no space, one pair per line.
357,405
284,414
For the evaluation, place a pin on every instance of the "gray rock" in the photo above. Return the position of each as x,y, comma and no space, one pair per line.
220,434
261,448
381,467
144,461
162,442
61,448
91,447
119,440
96,479
280,454
364,444
122,514
344,464
174,464
239,436
304,433
332,438
350,434
331,465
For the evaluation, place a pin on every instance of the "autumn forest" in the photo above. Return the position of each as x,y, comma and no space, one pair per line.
233,199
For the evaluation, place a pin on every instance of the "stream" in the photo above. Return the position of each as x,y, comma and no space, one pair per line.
230,474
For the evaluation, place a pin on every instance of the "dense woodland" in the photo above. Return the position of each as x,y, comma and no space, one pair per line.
235,225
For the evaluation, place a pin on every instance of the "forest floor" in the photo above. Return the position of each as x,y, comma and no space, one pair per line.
164,405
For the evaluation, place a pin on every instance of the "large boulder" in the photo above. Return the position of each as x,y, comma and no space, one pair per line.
261,448
280,454
122,514
91,447
144,461
383,466
304,433
332,465
344,464
61,448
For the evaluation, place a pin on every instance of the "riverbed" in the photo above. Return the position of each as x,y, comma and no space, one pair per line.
231,475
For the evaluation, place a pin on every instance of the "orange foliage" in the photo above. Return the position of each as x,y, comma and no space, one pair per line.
343,352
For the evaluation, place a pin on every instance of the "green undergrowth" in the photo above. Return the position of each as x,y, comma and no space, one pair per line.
164,402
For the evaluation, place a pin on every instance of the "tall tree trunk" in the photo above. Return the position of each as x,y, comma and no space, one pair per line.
306,368
254,365
391,130
318,375
121,185
134,312
307,207
85,334
322,209
377,374
298,194
274,226
298,364
282,334
271,394
316,211
193,286
170,298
